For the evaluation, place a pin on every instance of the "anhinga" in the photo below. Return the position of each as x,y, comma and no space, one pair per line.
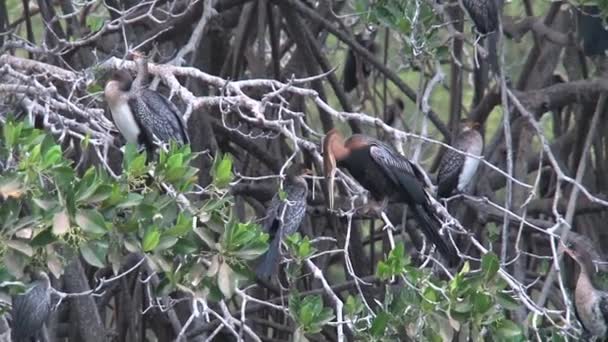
484,14
456,170
590,303
353,66
31,309
284,217
387,175
143,115
592,31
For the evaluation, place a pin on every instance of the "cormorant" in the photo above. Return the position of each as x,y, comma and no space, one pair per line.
143,115
590,303
387,175
31,309
284,217
456,170
592,31
350,75
484,14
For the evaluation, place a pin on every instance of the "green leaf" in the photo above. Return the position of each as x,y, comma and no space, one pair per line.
506,301
91,221
353,305
379,324
20,246
508,329
182,226
131,200
482,302
222,172
61,223
489,265
90,256
151,239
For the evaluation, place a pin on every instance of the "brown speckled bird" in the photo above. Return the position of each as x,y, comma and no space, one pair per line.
590,303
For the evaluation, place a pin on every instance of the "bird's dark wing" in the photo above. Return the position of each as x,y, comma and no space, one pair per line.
407,177
158,117
399,170
604,307
449,172
30,311
350,72
484,14
283,217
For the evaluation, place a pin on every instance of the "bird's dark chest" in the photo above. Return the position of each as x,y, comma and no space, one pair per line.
367,172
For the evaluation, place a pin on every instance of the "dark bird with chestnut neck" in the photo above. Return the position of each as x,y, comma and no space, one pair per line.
143,116
456,170
284,217
590,303
387,175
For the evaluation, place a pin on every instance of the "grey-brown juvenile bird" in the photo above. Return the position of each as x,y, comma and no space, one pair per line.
284,217
590,303
456,170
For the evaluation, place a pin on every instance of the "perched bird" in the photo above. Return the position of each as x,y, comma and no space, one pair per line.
484,14
351,64
590,303
456,170
393,114
31,309
592,31
387,175
143,115
284,217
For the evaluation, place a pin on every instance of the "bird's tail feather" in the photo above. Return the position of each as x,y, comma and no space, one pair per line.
430,226
267,265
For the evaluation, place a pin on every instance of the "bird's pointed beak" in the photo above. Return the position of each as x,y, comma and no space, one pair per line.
329,169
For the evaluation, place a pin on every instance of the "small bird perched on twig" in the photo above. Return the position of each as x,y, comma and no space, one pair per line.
142,115
456,170
284,217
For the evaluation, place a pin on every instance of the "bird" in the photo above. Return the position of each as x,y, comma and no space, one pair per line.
484,14
456,170
351,73
387,175
591,31
284,217
143,116
393,114
590,303
31,309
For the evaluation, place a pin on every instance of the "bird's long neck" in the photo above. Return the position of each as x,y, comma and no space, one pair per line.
142,73
339,151
585,277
